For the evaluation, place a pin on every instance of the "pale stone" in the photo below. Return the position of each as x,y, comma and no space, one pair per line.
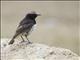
35,51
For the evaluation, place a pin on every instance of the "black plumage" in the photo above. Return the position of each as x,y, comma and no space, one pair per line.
25,26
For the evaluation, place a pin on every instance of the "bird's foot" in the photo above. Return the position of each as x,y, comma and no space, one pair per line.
22,41
29,42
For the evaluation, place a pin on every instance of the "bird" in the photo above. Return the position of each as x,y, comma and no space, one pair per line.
25,26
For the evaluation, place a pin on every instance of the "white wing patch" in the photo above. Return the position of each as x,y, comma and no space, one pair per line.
19,27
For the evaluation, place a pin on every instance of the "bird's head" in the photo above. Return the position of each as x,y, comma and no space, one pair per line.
32,15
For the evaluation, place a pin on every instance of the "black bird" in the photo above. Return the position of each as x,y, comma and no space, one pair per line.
25,26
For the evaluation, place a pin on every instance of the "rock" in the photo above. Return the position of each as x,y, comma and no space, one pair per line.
35,51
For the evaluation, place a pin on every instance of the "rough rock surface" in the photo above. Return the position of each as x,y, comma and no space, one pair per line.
35,51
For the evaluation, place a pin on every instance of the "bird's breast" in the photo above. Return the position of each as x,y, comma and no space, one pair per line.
33,28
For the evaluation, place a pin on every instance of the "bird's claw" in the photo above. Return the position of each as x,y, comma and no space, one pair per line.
29,42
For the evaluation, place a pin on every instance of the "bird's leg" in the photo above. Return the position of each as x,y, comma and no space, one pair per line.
22,39
27,39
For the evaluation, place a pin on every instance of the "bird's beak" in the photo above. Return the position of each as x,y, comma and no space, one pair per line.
38,14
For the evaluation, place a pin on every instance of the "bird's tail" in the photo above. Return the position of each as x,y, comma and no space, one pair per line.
12,40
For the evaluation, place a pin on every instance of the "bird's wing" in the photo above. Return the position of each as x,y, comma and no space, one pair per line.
24,27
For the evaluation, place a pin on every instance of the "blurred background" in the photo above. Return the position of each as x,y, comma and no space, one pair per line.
57,26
